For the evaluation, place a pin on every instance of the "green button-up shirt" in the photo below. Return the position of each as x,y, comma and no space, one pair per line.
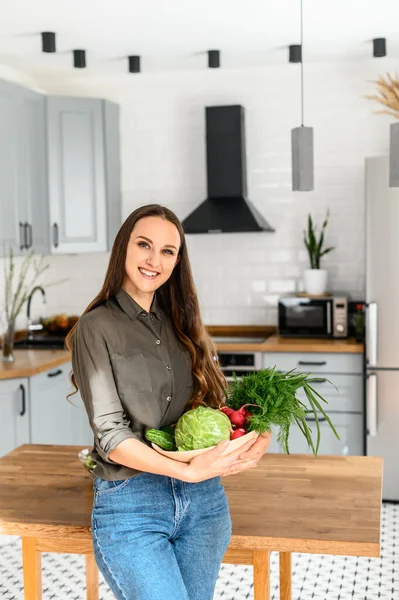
133,374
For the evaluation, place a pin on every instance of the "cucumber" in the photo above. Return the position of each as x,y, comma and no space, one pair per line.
163,439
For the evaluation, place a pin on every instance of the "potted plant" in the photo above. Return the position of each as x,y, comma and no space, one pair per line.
388,96
17,289
315,278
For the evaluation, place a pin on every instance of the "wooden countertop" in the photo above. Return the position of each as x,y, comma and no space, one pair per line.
31,362
275,343
296,503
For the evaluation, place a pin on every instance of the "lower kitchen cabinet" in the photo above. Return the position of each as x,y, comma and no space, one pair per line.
344,404
349,428
54,419
15,409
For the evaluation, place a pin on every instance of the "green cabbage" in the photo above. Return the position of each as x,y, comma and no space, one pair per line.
202,427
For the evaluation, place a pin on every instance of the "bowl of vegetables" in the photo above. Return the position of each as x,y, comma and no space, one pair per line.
260,403
200,430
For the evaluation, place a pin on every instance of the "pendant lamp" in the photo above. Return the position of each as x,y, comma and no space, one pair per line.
302,145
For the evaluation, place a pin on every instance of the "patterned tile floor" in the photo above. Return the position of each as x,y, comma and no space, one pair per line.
318,577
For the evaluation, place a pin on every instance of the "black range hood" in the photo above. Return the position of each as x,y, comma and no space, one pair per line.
227,208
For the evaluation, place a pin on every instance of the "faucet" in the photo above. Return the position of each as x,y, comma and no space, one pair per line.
38,326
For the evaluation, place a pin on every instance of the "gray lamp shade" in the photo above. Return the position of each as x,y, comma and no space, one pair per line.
394,155
302,159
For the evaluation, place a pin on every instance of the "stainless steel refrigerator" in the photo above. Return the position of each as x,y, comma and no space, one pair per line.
382,322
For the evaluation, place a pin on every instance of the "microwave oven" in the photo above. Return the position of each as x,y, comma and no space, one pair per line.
301,316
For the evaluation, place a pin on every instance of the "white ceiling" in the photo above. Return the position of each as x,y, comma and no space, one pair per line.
172,34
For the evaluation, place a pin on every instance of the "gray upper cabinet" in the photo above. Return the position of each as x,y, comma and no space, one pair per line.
10,233
83,173
23,202
14,422
60,172
33,197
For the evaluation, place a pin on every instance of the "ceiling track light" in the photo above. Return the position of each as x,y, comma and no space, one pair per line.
213,59
295,53
302,145
79,59
134,64
379,47
48,41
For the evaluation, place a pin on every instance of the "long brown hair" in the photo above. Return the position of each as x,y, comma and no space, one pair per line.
177,297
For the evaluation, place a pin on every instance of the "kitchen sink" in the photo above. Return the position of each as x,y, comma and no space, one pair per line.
40,343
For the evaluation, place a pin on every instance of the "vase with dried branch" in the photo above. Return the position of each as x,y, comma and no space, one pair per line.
388,97
16,292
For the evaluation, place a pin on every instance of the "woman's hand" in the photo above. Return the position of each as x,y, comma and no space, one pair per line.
249,458
211,464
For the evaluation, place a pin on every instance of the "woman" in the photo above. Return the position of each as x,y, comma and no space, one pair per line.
141,357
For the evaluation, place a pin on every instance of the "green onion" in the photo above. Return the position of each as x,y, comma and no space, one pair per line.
274,393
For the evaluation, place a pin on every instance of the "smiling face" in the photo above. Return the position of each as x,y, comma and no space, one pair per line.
151,256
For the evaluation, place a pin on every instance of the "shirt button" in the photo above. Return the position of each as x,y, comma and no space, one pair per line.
143,314
169,398
158,341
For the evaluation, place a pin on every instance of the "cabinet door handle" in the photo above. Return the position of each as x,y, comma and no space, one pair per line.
312,363
55,235
313,420
22,236
55,373
23,411
372,405
371,329
319,381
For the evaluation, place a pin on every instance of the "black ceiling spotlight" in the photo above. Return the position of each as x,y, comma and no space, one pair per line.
379,47
213,59
79,59
295,54
134,64
48,41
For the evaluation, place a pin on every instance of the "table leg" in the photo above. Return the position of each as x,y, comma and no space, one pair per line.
32,569
91,578
285,576
261,562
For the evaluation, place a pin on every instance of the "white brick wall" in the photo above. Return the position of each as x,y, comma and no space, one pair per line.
239,276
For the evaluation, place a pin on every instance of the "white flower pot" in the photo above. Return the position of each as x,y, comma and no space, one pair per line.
315,281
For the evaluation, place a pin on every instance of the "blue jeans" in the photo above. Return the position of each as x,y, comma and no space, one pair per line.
159,538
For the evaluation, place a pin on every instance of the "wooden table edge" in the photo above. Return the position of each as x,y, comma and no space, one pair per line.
74,534
307,546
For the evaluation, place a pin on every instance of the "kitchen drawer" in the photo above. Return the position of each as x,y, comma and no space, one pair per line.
349,428
314,362
348,398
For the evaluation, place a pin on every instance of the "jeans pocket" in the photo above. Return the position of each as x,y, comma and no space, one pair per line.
101,486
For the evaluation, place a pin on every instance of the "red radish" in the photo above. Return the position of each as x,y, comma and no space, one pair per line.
240,431
239,417
227,410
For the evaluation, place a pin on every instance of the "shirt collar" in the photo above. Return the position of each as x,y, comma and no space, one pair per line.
134,310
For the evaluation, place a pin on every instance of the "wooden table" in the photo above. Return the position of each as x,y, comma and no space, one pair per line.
295,503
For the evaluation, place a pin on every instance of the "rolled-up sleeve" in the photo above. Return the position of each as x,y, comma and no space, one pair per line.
94,376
